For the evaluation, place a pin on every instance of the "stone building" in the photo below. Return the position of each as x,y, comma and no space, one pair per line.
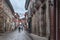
17,17
26,18
55,20
45,18
6,15
38,11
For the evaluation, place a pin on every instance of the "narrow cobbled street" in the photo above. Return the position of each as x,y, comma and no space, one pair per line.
16,35
29,19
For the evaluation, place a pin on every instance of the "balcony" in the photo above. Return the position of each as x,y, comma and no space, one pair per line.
33,10
43,9
37,4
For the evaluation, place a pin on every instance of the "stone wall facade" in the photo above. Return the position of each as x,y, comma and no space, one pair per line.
45,18
40,17
7,15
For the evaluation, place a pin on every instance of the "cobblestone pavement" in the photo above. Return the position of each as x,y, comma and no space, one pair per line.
23,35
35,37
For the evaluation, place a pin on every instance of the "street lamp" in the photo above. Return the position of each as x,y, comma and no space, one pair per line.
15,13
20,22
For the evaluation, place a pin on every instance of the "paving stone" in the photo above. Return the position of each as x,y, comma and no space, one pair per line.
23,35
